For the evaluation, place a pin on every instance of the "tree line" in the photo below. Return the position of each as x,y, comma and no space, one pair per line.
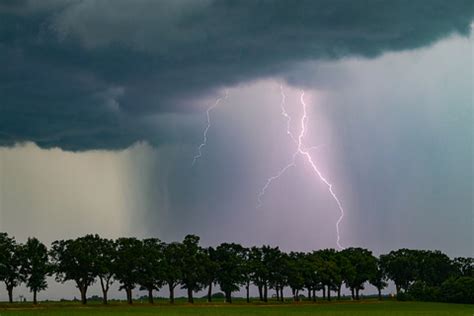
151,264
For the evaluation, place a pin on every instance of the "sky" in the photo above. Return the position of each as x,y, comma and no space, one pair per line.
103,107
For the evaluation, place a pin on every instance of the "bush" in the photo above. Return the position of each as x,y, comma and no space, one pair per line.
421,292
458,290
218,295
404,296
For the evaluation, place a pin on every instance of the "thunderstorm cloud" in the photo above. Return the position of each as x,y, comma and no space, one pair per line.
83,75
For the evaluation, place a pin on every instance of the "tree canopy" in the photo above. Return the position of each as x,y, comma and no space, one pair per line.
151,264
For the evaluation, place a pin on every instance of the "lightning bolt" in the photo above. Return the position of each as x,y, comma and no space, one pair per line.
285,114
275,177
293,161
310,160
304,152
206,130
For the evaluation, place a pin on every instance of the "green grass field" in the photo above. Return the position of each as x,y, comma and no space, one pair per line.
369,307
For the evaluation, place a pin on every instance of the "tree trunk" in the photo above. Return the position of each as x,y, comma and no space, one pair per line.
314,295
105,288
265,293
247,289
352,293
260,292
83,290
277,289
329,293
397,287
282,297
190,296
380,294
105,298
228,297
324,292
35,301
150,295
357,294
339,292
209,292
309,294
129,295
171,288
10,293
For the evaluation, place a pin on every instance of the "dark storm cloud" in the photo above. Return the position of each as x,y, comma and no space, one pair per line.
85,74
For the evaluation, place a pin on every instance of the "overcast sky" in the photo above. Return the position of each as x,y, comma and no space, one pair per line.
103,107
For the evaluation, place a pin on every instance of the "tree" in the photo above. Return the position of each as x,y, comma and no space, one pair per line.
10,264
279,277
464,267
310,275
401,267
126,267
458,290
296,273
172,266
210,270
76,260
193,277
365,267
271,259
247,273
230,272
264,269
328,270
261,261
418,274
35,266
345,271
312,280
256,266
105,261
150,266
379,278
434,267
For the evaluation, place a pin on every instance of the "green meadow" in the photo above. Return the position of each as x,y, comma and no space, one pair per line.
368,307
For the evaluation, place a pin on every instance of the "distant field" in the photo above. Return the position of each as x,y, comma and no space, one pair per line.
339,308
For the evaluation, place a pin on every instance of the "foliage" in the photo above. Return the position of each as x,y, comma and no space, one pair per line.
35,265
194,264
421,291
76,260
105,264
231,268
418,274
127,264
464,267
364,265
10,264
379,278
401,267
150,272
458,290
172,266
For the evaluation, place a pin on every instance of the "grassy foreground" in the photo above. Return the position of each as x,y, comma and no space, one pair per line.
369,307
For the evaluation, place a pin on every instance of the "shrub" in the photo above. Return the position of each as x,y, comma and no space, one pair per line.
404,296
218,295
421,292
458,290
